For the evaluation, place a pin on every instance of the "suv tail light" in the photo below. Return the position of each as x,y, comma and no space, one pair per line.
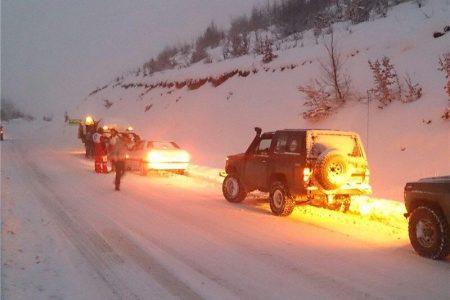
306,174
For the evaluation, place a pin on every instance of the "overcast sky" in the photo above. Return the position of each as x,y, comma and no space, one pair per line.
54,52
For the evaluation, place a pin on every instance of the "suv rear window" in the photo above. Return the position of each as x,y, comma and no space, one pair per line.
348,144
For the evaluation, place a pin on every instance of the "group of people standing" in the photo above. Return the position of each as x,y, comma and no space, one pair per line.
105,148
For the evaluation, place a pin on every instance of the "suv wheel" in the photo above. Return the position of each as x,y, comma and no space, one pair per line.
281,203
232,189
332,170
429,233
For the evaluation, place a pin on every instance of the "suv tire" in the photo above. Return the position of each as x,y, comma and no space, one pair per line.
332,169
281,203
232,189
429,232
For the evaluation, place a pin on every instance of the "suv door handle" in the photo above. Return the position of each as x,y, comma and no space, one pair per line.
264,161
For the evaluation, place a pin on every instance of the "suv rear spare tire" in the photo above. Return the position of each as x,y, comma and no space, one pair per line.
232,189
429,232
332,170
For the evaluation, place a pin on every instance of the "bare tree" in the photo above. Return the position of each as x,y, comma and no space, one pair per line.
334,75
332,90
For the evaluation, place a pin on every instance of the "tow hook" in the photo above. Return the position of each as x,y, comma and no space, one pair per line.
223,174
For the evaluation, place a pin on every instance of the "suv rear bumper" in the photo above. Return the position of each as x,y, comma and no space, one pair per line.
348,189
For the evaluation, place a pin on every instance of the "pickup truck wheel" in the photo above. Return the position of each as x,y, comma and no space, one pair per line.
429,232
232,189
281,203
332,170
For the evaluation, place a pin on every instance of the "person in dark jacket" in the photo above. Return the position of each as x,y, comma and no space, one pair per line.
118,156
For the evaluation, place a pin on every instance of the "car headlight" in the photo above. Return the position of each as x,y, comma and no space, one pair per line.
184,157
154,156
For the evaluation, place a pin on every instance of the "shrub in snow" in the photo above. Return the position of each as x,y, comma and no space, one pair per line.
387,84
414,91
387,87
222,78
194,84
318,100
267,52
180,84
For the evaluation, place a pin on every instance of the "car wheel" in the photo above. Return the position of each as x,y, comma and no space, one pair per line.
281,203
332,169
232,189
142,169
429,232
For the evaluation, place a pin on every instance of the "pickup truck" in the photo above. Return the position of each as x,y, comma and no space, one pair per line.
427,204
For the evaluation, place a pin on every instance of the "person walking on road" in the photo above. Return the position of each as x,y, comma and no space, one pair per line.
110,144
99,140
118,156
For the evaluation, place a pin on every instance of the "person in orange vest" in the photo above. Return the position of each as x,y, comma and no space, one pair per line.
100,165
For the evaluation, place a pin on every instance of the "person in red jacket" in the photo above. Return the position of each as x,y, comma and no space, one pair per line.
99,140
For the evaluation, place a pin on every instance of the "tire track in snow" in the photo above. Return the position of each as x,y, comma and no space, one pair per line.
89,243
101,253
151,266
318,278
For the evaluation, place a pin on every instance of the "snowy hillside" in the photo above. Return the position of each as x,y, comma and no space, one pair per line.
403,141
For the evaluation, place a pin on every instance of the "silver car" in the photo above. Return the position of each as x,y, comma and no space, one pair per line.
157,155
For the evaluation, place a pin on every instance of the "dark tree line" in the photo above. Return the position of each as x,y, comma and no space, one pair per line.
8,111
283,17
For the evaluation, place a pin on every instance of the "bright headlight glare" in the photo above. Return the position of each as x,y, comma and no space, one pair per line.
184,156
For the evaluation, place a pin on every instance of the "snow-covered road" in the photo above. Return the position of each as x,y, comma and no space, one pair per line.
66,234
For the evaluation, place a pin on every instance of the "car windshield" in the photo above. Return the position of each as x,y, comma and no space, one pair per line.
163,145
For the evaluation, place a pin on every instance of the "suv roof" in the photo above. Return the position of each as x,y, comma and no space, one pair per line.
332,131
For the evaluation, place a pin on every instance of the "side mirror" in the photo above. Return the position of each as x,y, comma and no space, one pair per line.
258,131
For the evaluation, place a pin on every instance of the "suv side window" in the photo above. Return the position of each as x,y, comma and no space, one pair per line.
281,144
263,147
294,145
